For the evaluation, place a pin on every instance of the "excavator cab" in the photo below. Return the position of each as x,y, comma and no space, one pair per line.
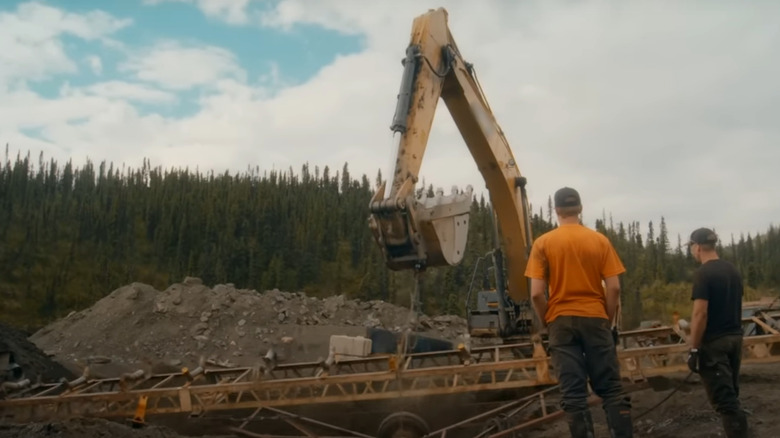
495,314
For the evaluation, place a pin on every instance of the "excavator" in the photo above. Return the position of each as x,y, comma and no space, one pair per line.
416,231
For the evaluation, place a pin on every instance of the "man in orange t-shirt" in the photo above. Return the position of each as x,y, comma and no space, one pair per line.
573,261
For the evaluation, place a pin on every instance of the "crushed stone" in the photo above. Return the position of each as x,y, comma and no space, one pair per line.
139,327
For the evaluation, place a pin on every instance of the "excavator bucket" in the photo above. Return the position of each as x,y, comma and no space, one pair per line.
415,233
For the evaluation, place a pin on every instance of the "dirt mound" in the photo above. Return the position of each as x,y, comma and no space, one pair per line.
137,326
34,363
84,428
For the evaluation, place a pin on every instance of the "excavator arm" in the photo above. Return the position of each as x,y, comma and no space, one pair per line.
415,233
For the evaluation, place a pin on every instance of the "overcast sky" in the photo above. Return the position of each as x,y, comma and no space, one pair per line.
648,108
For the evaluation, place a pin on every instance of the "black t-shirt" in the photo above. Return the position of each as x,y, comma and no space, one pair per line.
719,282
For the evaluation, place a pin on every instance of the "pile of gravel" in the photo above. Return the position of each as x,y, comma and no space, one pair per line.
137,326
33,362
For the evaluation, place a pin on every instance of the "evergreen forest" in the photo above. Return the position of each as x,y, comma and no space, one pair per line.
71,235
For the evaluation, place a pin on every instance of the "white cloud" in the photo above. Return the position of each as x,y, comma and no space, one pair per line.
650,109
178,67
95,64
29,38
230,11
124,91
25,109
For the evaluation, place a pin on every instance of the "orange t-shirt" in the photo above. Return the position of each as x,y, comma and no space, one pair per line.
573,260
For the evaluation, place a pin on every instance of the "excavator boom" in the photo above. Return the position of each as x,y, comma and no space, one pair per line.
413,232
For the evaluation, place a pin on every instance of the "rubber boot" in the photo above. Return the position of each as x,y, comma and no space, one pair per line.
735,425
580,424
619,422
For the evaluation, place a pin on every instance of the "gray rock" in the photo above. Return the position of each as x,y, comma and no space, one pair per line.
192,281
199,328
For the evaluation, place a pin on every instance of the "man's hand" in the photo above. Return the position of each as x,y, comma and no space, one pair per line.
612,295
693,360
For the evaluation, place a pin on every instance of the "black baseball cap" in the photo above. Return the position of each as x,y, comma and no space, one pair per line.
567,197
703,236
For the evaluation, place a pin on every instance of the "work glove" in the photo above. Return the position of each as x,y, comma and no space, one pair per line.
693,360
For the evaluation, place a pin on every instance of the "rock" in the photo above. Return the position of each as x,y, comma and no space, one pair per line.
372,321
241,322
445,319
132,294
192,281
199,328
98,360
426,322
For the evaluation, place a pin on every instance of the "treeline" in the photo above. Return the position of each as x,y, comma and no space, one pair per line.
70,235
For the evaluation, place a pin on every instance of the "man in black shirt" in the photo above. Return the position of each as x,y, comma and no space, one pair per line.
716,330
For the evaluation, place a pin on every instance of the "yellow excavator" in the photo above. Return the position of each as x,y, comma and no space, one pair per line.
418,232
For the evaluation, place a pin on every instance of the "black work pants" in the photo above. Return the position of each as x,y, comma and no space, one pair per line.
719,363
582,348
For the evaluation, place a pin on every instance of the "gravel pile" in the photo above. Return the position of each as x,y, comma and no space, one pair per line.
137,326
33,362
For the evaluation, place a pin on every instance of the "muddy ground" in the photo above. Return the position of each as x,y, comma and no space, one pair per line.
87,428
687,413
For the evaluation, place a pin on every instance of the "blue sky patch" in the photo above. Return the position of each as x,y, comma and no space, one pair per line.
298,54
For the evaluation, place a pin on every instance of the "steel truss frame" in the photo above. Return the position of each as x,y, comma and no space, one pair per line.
269,386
